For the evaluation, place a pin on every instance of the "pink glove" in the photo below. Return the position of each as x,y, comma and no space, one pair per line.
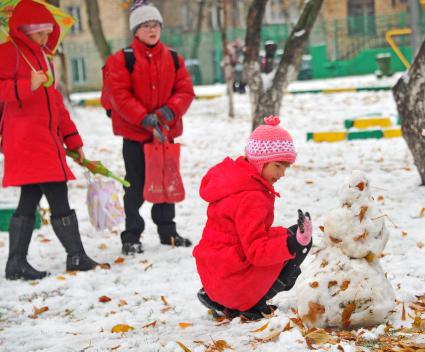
305,229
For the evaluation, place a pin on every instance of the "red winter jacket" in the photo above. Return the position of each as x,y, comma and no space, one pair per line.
36,124
153,83
240,254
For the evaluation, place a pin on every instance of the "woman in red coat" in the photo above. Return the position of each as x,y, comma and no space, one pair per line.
157,92
35,126
242,259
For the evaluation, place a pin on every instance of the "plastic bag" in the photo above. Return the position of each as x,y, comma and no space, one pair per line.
163,181
103,203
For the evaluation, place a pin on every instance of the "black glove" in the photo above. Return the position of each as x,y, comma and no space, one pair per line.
152,121
166,113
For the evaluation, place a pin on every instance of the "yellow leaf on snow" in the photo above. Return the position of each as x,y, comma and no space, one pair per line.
422,213
103,246
121,328
185,325
38,311
319,337
183,347
221,345
261,328
60,277
122,302
151,324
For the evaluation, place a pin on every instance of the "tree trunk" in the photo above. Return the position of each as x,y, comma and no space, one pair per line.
227,67
95,25
194,53
267,100
409,95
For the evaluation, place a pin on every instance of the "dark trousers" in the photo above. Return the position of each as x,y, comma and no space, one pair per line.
162,213
291,270
55,192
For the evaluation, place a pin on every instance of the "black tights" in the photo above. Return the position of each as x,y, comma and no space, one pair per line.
55,192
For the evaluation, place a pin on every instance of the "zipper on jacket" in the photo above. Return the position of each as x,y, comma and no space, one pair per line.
50,119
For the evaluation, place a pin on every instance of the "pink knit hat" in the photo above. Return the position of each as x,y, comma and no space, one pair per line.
36,27
270,142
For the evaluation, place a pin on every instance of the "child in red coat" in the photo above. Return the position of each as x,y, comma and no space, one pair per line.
35,127
243,260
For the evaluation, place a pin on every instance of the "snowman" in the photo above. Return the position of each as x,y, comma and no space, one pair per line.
345,286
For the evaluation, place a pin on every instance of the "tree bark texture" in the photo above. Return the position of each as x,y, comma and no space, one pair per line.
95,25
409,95
222,16
268,100
198,33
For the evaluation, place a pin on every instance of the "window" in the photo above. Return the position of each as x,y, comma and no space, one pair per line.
361,17
74,11
78,67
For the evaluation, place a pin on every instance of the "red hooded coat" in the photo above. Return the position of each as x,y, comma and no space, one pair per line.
35,124
240,254
153,83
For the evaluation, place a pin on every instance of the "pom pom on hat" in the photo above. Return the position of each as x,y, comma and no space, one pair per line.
269,142
143,11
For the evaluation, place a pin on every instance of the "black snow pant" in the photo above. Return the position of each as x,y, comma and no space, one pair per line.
55,192
162,213
291,270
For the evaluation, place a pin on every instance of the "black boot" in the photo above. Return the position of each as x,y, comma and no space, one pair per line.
216,308
259,311
175,240
132,248
66,228
20,233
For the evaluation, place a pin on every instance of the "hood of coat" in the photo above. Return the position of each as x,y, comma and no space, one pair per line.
31,12
230,177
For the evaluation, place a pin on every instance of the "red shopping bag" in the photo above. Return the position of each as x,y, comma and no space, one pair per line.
163,182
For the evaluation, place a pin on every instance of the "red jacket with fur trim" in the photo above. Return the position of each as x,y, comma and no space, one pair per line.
35,124
153,83
240,254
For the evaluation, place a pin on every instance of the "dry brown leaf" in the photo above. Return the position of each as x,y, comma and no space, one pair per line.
324,263
418,323
115,347
38,311
104,299
166,309
185,325
119,260
147,267
344,285
164,300
322,228
272,337
122,302
152,324
261,328
121,328
362,236
183,347
319,337
221,345
297,322
403,233
102,246
403,313
287,327
420,244
361,186
104,266
380,198
346,314
346,205
332,283
314,311
370,257
314,284
362,213
335,240
422,213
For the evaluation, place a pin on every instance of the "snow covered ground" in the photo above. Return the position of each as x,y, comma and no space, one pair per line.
155,293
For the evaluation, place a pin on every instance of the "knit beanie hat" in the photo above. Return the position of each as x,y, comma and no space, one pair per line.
270,142
36,27
142,11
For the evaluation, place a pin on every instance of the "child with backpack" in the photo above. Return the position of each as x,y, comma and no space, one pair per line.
35,125
243,260
146,88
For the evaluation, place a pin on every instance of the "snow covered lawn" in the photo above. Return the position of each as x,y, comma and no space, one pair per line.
155,293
